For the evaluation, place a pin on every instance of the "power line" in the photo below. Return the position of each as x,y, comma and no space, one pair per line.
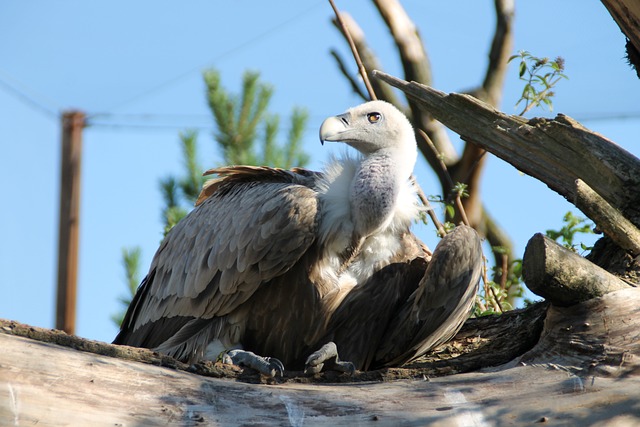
604,117
38,101
178,121
28,96
172,127
227,53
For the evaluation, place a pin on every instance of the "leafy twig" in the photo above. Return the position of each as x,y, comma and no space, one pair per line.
540,75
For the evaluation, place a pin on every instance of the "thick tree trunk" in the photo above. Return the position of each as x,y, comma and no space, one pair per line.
48,385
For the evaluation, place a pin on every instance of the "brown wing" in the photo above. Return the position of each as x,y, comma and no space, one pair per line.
253,225
440,305
359,323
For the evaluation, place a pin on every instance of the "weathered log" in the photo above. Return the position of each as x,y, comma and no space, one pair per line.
598,337
556,152
48,385
608,219
565,379
562,276
482,342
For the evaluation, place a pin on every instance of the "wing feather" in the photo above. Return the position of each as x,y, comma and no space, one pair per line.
246,231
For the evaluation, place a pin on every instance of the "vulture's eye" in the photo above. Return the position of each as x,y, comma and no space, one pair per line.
374,117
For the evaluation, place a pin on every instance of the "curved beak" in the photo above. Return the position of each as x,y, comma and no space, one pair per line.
334,128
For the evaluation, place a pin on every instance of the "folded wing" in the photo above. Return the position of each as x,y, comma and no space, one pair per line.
251,224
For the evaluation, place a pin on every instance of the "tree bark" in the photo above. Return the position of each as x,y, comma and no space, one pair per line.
584,369
562,276
608,219
598,337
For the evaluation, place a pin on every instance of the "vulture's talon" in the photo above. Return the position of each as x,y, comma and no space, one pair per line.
312,370
267,366
277,365
327,357
346,367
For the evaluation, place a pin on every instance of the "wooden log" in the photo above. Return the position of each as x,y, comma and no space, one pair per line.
597,337
47,385
556,152
482,342
608,219
592,349
562,276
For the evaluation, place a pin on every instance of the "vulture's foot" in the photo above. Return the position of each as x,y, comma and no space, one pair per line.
327,357
267,366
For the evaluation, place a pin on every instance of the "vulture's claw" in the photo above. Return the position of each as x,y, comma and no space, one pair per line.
267,366
327,355
276,364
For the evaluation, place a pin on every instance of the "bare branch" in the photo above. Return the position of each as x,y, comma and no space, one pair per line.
626,13
471,164
352,81
415,63
607,218
368,59
501,48
356,56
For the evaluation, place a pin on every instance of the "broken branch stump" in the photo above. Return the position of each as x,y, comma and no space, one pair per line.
562,276
608,219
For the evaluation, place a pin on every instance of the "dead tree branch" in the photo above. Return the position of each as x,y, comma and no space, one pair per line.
608,219
369,60
417,67
562,276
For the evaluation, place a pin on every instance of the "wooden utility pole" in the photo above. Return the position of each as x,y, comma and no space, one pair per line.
72,124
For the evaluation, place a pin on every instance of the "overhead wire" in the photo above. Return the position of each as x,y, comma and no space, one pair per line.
29,96
43,104
259,37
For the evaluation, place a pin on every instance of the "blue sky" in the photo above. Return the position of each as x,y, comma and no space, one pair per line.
135,69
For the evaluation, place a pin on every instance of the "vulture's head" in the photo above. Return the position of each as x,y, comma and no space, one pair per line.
373,127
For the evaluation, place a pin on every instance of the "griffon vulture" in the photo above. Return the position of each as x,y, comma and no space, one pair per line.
276,267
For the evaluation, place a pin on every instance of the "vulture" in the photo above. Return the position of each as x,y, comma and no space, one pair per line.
276,268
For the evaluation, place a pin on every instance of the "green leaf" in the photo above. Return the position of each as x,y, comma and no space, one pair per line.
451,212
523,69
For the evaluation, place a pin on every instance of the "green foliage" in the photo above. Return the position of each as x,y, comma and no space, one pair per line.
131,264
540,75
496,294
238,119
180,193
246,134
572,226
458,190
